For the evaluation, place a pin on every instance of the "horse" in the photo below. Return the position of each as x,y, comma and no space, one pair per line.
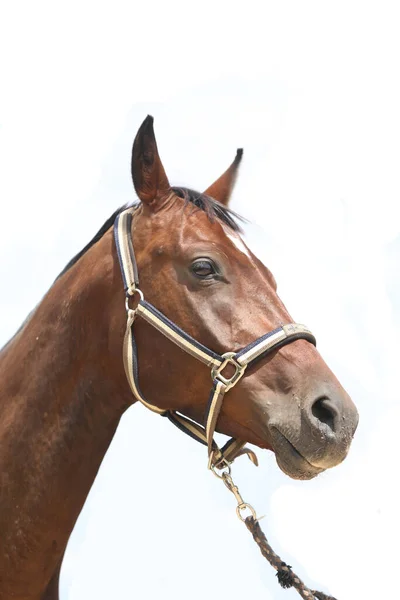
64,376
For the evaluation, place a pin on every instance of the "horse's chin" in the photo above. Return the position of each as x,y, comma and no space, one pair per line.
288,458
290,461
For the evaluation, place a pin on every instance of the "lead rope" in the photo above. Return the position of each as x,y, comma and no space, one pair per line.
286,577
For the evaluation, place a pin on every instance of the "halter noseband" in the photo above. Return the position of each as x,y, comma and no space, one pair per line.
246,357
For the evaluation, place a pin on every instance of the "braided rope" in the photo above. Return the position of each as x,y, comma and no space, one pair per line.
286,577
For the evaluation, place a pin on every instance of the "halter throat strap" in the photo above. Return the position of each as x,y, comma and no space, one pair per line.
221,383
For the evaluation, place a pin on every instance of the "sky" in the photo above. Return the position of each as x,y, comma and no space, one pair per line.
311,91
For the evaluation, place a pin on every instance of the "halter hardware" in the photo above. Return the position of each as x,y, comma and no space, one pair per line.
130,294
229,359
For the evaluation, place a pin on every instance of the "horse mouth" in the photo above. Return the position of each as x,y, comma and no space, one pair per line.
290,460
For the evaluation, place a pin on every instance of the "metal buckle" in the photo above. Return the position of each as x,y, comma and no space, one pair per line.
228,360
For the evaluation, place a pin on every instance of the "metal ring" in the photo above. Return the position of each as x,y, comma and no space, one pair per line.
134,290
224,470
129,294
243,506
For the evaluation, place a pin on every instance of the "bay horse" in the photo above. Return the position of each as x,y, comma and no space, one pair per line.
64,387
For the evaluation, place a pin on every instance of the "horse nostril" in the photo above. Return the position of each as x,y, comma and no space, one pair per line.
325,412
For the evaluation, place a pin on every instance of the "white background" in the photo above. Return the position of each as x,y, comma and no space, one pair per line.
311,90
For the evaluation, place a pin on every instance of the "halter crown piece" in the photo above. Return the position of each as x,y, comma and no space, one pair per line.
241,360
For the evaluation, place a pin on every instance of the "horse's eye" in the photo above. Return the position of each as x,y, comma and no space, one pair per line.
203,268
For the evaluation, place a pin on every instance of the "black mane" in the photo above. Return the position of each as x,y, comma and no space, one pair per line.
212,208
103,229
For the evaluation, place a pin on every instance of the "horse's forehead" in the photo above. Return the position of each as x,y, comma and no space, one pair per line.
197,227
213,230
236,240
258,265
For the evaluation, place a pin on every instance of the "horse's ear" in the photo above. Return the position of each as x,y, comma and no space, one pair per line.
222,188
149,178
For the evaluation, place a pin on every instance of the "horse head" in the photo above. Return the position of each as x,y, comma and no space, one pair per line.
196,269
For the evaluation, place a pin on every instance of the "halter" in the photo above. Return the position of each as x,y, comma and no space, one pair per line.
240,361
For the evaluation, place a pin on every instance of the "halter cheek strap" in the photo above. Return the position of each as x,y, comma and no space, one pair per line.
240,361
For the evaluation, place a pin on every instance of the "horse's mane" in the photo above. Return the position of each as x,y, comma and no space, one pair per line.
212,208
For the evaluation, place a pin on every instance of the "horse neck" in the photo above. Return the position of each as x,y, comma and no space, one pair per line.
61,399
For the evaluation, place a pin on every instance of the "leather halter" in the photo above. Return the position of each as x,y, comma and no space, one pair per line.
240,360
